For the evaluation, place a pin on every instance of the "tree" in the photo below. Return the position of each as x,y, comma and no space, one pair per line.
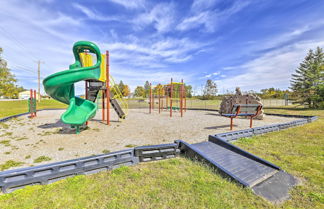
125,90
121,86
188,89
8,87
308,81
210,90
273,93
139,91
147,87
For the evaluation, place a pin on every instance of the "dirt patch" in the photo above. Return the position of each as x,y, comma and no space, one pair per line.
47,136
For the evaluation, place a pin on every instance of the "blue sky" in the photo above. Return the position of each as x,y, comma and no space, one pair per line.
253,44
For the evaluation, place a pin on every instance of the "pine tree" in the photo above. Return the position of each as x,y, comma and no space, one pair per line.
307,82
147,88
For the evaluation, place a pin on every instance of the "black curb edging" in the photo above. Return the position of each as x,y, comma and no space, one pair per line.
26,113
235,135
11,180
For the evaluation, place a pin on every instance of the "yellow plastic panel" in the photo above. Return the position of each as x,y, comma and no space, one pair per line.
86,59
103,68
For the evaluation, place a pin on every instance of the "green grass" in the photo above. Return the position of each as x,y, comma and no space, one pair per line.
5,143
9,164
105,151
182,183
42,159
8,108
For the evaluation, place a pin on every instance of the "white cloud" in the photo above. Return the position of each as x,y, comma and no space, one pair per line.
154,53
94,14
130,4
161,16
203,15
273,69
199,5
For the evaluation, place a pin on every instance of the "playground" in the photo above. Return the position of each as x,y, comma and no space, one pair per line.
46,135
99,132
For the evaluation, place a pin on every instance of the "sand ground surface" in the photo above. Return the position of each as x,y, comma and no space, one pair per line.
23,139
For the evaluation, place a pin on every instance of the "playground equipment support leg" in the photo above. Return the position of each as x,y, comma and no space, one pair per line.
103,105
231,127
159,101
31,103
181,98
86,95
150,100
107,87
35,113
171,89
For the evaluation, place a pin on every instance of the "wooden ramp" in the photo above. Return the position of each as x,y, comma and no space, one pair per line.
244,167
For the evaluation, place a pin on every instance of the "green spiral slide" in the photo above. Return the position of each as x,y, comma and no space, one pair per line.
60,86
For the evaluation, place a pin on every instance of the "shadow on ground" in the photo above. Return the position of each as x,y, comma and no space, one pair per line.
217,127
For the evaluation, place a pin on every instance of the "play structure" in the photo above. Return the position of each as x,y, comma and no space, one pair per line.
32,103
169,97
98,82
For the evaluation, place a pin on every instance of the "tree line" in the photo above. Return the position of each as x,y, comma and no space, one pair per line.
144,91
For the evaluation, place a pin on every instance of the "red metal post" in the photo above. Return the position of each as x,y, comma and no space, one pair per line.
103,105
171,89
31,103
86,95
35,103
107,87
150,100
181,98
231,124
159,95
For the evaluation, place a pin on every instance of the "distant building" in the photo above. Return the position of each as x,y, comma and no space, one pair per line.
25,95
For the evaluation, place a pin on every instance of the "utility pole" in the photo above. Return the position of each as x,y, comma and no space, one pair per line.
38,73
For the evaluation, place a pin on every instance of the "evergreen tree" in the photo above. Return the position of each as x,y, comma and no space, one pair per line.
307,83
121,86
147,88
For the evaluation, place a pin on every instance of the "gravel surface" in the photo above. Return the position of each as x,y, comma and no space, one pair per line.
23,139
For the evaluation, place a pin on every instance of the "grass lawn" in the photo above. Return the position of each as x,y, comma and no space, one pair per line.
182,183
8,108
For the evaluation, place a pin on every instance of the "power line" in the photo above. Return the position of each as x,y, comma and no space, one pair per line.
18,43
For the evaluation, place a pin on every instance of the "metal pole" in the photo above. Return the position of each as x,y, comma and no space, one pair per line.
171,89
31,103
86,95
150,100
103,105
181,95
107,87
35,103
38,75
159,95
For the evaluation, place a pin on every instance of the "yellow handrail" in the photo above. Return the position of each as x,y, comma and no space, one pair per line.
118,95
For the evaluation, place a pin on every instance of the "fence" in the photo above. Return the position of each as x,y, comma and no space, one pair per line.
198,104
